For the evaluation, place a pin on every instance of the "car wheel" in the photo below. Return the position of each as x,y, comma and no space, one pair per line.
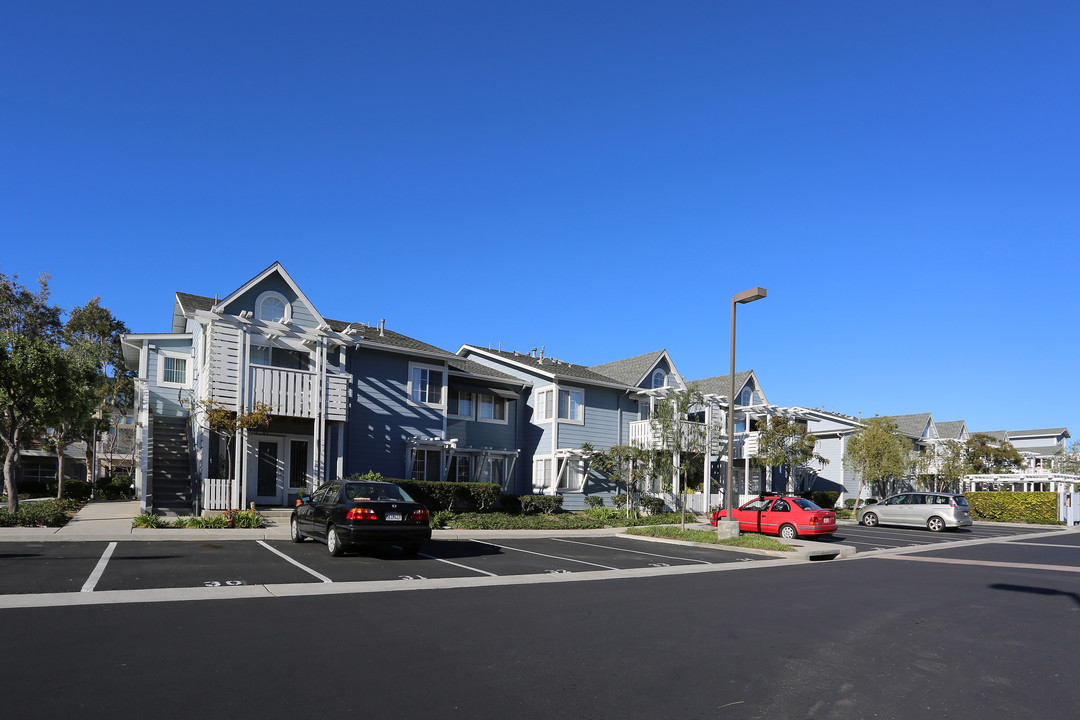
294,531
935,524
788,532
869,520
333,542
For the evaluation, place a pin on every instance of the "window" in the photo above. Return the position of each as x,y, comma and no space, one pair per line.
543,405
747,397
574,477
173,369
459,403
570,404
280,357
659,379
272,307
460,469
426,385
426,465
493,470
492,409
542,473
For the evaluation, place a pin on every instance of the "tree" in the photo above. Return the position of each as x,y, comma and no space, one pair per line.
32,369
225,422
950,466
679,443
785,444
985,455
79,395
1068,461
877,453
620,464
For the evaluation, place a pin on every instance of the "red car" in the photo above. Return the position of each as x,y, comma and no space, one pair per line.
788,517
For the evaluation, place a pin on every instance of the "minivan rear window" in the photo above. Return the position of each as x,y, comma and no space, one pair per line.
961,501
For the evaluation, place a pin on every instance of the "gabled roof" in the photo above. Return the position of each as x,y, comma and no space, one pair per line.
460,365
912,425
721,384
634,371
544,366
1049,432
951,429
275,268
999,435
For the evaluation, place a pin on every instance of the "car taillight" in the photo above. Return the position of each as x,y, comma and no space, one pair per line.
952,502
815,520
361,513
421,514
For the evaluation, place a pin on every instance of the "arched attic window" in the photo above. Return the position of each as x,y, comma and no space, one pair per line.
273,307
746,398
659,379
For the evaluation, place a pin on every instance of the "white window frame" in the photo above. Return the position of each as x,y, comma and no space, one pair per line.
175,355
746,397
543,464
660,375
413,368
544,406
581,405
488,470
495,401
271,295
469,399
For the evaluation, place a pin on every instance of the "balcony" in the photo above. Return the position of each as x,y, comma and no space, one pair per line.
643,435
293,393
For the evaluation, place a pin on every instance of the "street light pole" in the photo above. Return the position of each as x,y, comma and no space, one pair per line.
747,296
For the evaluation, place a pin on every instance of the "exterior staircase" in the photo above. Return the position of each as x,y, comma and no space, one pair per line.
171,491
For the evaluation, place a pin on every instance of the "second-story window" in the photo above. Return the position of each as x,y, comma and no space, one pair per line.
426,385
279,357
570,404
659,379
492,408
544,408
459,403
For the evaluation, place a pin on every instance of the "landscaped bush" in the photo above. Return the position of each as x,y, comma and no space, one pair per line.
117,487
43,513
594,501
441,518
619,501
147,520
849,503
503,521
547,504
652,505
445,495
510,503
1039,508
823,498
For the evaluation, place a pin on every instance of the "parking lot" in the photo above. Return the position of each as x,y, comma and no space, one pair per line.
59,567
867,539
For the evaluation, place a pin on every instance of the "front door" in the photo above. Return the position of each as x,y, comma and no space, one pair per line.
280,466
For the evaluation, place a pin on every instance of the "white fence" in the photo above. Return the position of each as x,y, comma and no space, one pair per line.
220,494
697,502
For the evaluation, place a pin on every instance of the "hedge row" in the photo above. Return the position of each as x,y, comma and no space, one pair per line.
448,495
43,513
1039,508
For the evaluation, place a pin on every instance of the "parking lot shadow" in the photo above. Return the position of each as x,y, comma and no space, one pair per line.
1035,590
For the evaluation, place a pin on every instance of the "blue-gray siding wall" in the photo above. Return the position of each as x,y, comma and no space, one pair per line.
380,415
166,401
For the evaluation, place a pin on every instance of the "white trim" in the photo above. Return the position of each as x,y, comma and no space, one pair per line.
581,406
550,407
495,400
413,366
189,366
286,316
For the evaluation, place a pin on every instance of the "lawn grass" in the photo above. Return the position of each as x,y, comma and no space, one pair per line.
746,540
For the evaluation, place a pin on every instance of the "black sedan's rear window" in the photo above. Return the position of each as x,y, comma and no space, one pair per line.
375,492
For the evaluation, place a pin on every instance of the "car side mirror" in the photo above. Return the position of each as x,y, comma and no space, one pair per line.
303,499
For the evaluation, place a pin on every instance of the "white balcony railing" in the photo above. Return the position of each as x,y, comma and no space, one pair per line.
644,435
292,393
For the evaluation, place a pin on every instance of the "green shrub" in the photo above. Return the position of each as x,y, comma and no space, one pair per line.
547,504
446,495
43,513
619,501
823,498
147,520
249,519
503,521
594,501
608,516
1038,508
510,503
181,522
849,503
652,505
440,518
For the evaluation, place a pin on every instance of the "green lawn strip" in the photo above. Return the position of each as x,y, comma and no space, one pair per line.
588,520
746,540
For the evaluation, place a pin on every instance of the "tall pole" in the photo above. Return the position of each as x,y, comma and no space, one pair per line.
742,298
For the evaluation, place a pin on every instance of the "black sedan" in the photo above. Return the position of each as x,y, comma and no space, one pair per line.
345,513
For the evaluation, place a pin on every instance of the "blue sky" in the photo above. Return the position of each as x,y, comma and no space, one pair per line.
596,178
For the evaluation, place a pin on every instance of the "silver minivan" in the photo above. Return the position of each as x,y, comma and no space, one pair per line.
934,511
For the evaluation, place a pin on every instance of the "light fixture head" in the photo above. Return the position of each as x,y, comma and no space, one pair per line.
750,295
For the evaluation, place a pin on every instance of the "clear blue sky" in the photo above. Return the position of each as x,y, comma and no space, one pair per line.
595,177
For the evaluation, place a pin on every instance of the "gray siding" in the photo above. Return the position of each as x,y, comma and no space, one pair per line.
165,401
301,314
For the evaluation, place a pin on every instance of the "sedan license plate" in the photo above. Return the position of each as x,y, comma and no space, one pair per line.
394,517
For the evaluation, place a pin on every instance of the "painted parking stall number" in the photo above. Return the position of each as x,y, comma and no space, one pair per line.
228,583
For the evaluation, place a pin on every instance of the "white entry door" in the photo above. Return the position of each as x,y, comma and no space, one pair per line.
279,465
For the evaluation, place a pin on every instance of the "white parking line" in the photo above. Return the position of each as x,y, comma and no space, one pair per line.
639,552
303,567
463,567
553,557
92,581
